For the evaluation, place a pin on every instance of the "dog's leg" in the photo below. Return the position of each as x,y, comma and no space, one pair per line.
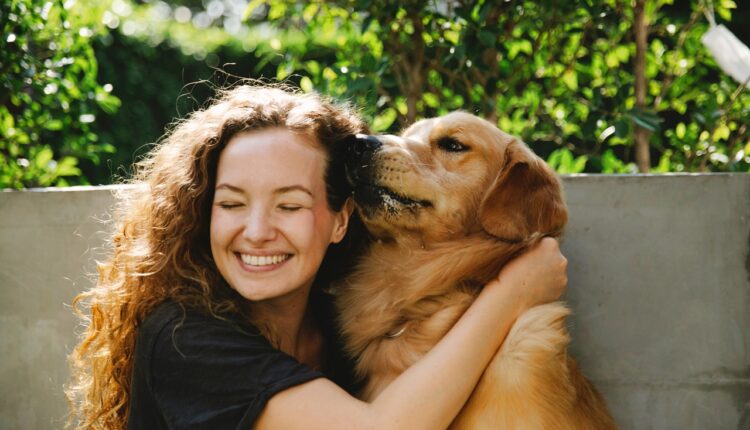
532,384
529,368
590,411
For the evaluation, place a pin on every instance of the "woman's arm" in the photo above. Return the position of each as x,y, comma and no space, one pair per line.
430,394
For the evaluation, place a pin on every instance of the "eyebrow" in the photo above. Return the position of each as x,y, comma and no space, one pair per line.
229,187
291,188
281,190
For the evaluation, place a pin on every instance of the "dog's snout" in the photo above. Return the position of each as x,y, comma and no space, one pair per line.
363,143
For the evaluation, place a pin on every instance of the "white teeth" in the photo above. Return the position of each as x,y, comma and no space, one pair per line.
263,260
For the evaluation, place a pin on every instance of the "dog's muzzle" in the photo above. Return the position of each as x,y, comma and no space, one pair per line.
361,172
360,149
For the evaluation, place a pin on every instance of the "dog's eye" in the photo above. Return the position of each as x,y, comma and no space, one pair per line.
451,145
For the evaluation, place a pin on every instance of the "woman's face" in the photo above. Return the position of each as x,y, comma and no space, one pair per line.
270,221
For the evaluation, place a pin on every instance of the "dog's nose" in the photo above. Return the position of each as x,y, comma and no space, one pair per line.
361,144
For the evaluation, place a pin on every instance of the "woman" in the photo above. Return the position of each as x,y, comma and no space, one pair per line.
210,311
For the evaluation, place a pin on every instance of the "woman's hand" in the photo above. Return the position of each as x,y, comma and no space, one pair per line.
537,276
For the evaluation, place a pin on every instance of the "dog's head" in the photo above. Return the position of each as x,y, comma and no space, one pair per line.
448,177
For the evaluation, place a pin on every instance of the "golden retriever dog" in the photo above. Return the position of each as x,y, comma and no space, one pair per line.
448,203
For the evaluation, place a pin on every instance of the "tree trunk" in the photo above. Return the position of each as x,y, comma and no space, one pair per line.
415,84
642,135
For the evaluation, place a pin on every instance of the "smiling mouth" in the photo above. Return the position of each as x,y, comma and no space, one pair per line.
264,260
371,194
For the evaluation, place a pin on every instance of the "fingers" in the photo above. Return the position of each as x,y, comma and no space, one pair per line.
558,266
539,275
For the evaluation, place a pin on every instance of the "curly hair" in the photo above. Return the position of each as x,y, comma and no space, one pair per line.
160,239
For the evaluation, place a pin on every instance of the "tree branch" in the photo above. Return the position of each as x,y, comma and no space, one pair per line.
641,135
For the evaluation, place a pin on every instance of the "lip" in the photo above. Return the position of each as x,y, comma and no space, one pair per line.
376,192
261,269
260,253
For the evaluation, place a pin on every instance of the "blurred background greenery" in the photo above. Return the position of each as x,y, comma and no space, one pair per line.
89,85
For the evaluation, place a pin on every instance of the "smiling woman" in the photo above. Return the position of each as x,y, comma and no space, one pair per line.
222,241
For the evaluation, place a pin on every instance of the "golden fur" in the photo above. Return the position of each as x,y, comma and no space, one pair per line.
450,201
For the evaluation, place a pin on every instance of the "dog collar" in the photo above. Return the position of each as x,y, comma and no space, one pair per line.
395,333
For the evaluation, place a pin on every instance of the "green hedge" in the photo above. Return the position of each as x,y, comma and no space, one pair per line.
86,90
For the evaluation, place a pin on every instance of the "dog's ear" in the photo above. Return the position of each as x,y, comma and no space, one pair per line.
525,198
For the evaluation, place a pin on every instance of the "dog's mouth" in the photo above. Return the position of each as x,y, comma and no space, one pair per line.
376,195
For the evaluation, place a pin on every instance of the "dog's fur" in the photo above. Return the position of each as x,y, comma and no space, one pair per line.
450,201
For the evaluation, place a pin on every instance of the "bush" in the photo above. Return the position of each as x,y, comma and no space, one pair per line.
559,74
49,95
562,75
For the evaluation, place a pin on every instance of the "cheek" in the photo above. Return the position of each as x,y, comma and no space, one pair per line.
219,225
213,232
323,222
215,219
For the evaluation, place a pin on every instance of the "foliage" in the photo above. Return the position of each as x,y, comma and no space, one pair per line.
49,95
163,68
558,74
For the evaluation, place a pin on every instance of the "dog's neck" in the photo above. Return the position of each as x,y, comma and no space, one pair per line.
453,261
397,278
410,270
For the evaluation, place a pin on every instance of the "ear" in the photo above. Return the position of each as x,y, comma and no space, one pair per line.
341,222
525,198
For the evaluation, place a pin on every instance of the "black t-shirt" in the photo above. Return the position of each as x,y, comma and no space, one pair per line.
195,371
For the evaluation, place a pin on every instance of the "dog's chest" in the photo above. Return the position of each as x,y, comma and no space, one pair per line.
404,341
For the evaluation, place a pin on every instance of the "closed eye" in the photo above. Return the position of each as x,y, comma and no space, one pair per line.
451,144
290,208
228,205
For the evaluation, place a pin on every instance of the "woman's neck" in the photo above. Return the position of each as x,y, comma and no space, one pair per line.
290,325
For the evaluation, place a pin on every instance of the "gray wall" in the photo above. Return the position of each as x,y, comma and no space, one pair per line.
659,282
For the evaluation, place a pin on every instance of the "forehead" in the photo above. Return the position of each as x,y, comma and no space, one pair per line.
420,130
276,154
457,124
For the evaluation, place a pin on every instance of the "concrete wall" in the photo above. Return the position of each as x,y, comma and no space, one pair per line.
659,282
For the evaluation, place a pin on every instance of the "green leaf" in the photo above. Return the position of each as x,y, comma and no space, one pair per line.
306,84
53,125
67,167
451,36
7,119
646,119
250,8
109,103
664,163
383,121
570,79
725,14
622,52
431,100
680,130
612,164
611,59
563,162
721,132
517,46
43,158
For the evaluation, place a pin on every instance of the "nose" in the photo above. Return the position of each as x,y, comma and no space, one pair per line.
259,227
361,144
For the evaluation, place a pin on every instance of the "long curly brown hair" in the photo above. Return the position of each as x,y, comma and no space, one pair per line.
160,239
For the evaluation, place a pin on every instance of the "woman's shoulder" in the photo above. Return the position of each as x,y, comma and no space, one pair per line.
177,322
176,333
166,313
